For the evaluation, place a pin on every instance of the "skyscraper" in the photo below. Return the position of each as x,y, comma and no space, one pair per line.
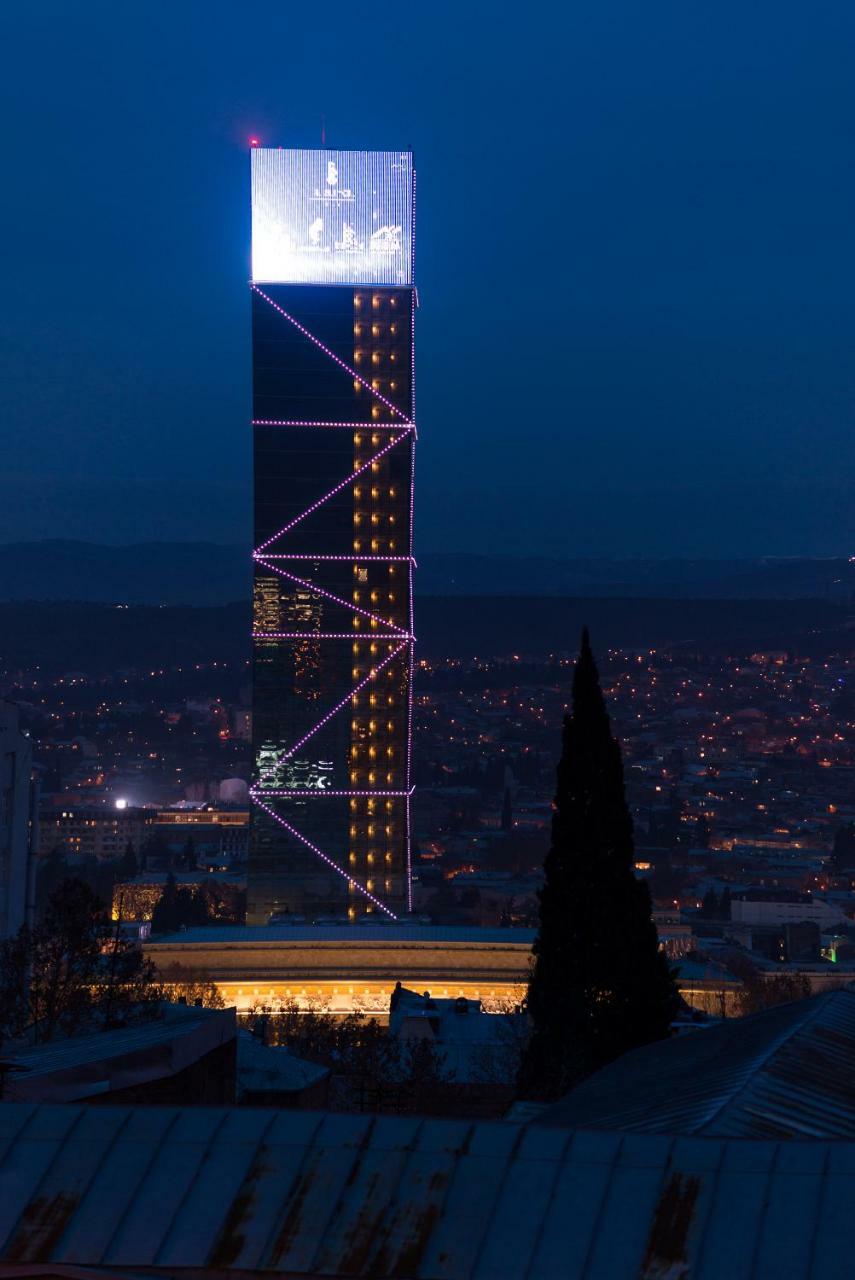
333,308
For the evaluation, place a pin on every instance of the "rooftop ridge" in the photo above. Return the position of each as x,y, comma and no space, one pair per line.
748,1074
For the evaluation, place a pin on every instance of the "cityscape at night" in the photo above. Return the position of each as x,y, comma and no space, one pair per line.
438,872
739,765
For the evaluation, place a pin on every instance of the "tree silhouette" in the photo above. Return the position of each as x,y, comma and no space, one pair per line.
128,862
178,908
189,855
165,916
72,971
600,984
710,906
507,811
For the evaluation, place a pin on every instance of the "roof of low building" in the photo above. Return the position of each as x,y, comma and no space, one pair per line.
349,934
200,875
707,971
784,1073
77,1067
474,1047
243,1190
267,1069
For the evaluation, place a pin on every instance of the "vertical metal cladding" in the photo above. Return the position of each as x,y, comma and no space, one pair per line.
334,438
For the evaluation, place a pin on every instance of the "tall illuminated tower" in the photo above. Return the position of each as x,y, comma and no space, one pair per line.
333,309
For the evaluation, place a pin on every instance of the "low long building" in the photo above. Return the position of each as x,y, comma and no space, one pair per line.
344,968
104,833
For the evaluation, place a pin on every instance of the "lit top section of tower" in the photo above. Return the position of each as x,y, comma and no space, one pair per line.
332,217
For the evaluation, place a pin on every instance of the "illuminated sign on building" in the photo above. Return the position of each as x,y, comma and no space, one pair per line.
332,217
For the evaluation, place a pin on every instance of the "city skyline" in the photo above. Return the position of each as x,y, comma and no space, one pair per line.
527,949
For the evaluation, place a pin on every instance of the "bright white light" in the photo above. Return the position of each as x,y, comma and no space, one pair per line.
121,804
332,217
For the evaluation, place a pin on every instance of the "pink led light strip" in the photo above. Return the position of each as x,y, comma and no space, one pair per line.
328,595
406,638
411,663
351,426
319,853
413,348
332,355
306,794
338,488
353,557
325,635
372,674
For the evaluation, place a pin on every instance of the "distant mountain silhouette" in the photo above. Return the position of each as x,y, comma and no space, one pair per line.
101,639
758,579
202,574
180,573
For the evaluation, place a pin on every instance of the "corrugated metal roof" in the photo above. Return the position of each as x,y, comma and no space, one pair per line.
785,1073
344,1195
350,934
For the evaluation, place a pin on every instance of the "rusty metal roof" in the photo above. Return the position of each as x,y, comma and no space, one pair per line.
786,1073
126,1189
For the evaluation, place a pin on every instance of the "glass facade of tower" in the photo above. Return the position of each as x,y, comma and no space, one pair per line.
334,436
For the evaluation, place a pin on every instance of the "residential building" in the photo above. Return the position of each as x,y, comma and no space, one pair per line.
756,907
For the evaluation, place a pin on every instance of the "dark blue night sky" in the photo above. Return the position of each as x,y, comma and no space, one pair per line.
634,254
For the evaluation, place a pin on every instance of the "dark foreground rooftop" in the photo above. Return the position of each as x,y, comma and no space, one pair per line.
118,1190
786,1073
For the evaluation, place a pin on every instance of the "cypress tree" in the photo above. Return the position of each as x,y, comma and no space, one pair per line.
128,862
189,858
600,985
710,907
166,918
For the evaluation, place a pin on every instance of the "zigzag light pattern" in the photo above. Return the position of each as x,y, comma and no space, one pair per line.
405,432
338,488
319,853
328,595
357,377
372,674
412,565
